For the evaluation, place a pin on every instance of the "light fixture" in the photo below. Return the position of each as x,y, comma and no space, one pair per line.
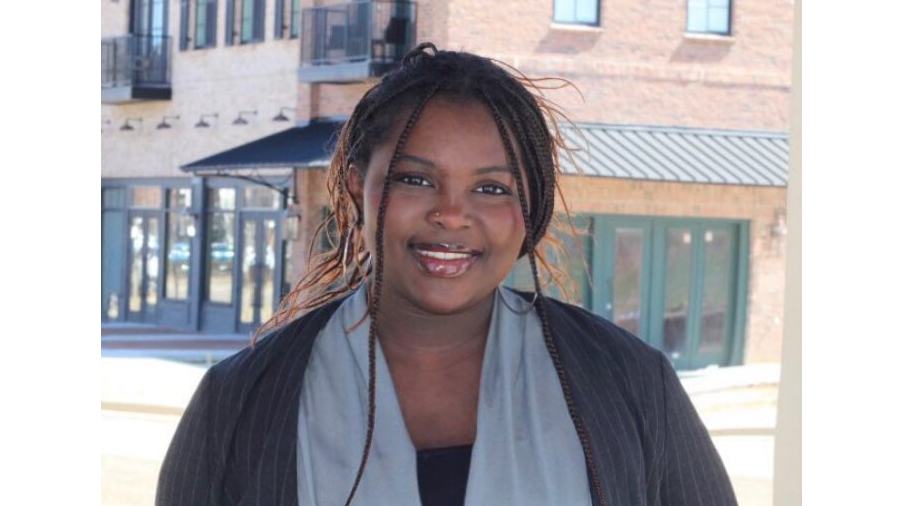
103,123
163,124
291,226
240,120
127,126
281,116
203,124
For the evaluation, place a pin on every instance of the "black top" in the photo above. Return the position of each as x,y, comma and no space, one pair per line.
442,475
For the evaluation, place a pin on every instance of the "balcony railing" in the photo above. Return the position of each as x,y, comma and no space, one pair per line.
355,41
139,62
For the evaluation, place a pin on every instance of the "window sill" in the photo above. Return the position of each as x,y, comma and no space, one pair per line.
709,37
575,27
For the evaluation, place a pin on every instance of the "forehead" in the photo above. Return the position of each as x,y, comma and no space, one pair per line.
452,130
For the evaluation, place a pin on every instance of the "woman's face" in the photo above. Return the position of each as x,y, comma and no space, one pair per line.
453,226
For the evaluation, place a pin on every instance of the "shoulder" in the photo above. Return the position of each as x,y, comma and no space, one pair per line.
285,346
598,338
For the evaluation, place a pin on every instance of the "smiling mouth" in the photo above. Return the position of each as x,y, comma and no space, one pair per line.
444,260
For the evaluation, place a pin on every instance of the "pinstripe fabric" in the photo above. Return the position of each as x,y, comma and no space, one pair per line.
236,442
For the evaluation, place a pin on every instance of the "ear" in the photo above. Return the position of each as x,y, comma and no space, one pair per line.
355,184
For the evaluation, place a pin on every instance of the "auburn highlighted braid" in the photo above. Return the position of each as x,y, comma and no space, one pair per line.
527,124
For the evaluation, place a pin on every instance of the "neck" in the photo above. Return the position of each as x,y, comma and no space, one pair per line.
412,337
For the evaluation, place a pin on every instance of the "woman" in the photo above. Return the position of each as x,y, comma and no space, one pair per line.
442,178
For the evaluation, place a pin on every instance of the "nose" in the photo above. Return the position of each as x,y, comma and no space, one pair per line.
449,215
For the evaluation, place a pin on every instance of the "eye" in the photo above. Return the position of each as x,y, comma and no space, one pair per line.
412,179
493,189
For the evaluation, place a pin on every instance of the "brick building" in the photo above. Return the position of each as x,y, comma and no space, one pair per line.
681,120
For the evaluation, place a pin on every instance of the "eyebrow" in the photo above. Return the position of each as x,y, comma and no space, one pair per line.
430,165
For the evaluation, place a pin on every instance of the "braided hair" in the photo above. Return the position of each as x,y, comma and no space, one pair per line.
527,125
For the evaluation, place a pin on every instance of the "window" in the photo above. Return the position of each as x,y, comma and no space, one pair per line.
146,196
252,21
709,16
295,25
180,230
205,23
288,18
220,244
583,12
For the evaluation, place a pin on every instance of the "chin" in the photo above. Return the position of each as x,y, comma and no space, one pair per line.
438,299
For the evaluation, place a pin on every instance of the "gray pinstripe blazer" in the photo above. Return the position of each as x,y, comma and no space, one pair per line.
236,442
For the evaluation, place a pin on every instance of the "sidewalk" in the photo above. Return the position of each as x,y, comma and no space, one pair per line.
142,341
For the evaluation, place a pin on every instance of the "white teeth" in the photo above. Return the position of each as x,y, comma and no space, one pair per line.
441,255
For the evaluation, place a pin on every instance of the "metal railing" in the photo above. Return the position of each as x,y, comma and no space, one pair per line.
133,60
377,31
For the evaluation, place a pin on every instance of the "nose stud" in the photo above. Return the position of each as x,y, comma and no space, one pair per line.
435,214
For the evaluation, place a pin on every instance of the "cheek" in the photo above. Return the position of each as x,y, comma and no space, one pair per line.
505,226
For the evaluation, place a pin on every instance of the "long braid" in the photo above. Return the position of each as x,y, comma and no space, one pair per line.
576,418
377,288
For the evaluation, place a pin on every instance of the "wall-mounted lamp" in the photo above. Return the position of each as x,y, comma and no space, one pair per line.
164,125
291,224
127,126
779,228
240,120
281,116
204,124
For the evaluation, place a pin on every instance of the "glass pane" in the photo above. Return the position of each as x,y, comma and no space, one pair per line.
677,291
718,20
627,283
221,198
249,266
136,267
696,16
261,197
564,11
153,260
586,11
179,198
716,290
201,23
268,269
296,18
113,197
221,257
247,19
147,196
178,256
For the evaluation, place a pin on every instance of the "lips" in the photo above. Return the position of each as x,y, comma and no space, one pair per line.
444,260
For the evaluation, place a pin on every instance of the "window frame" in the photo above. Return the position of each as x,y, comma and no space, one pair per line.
729,25
596,23
256,24
210,29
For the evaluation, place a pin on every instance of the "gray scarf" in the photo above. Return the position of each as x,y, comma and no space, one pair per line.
526,452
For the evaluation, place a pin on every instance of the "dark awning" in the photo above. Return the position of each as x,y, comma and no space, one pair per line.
302,146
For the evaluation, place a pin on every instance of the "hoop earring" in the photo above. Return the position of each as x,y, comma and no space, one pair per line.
510,308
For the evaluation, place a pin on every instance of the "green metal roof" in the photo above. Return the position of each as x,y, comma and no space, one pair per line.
686,155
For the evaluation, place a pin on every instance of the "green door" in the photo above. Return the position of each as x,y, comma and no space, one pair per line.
675,283
695,310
